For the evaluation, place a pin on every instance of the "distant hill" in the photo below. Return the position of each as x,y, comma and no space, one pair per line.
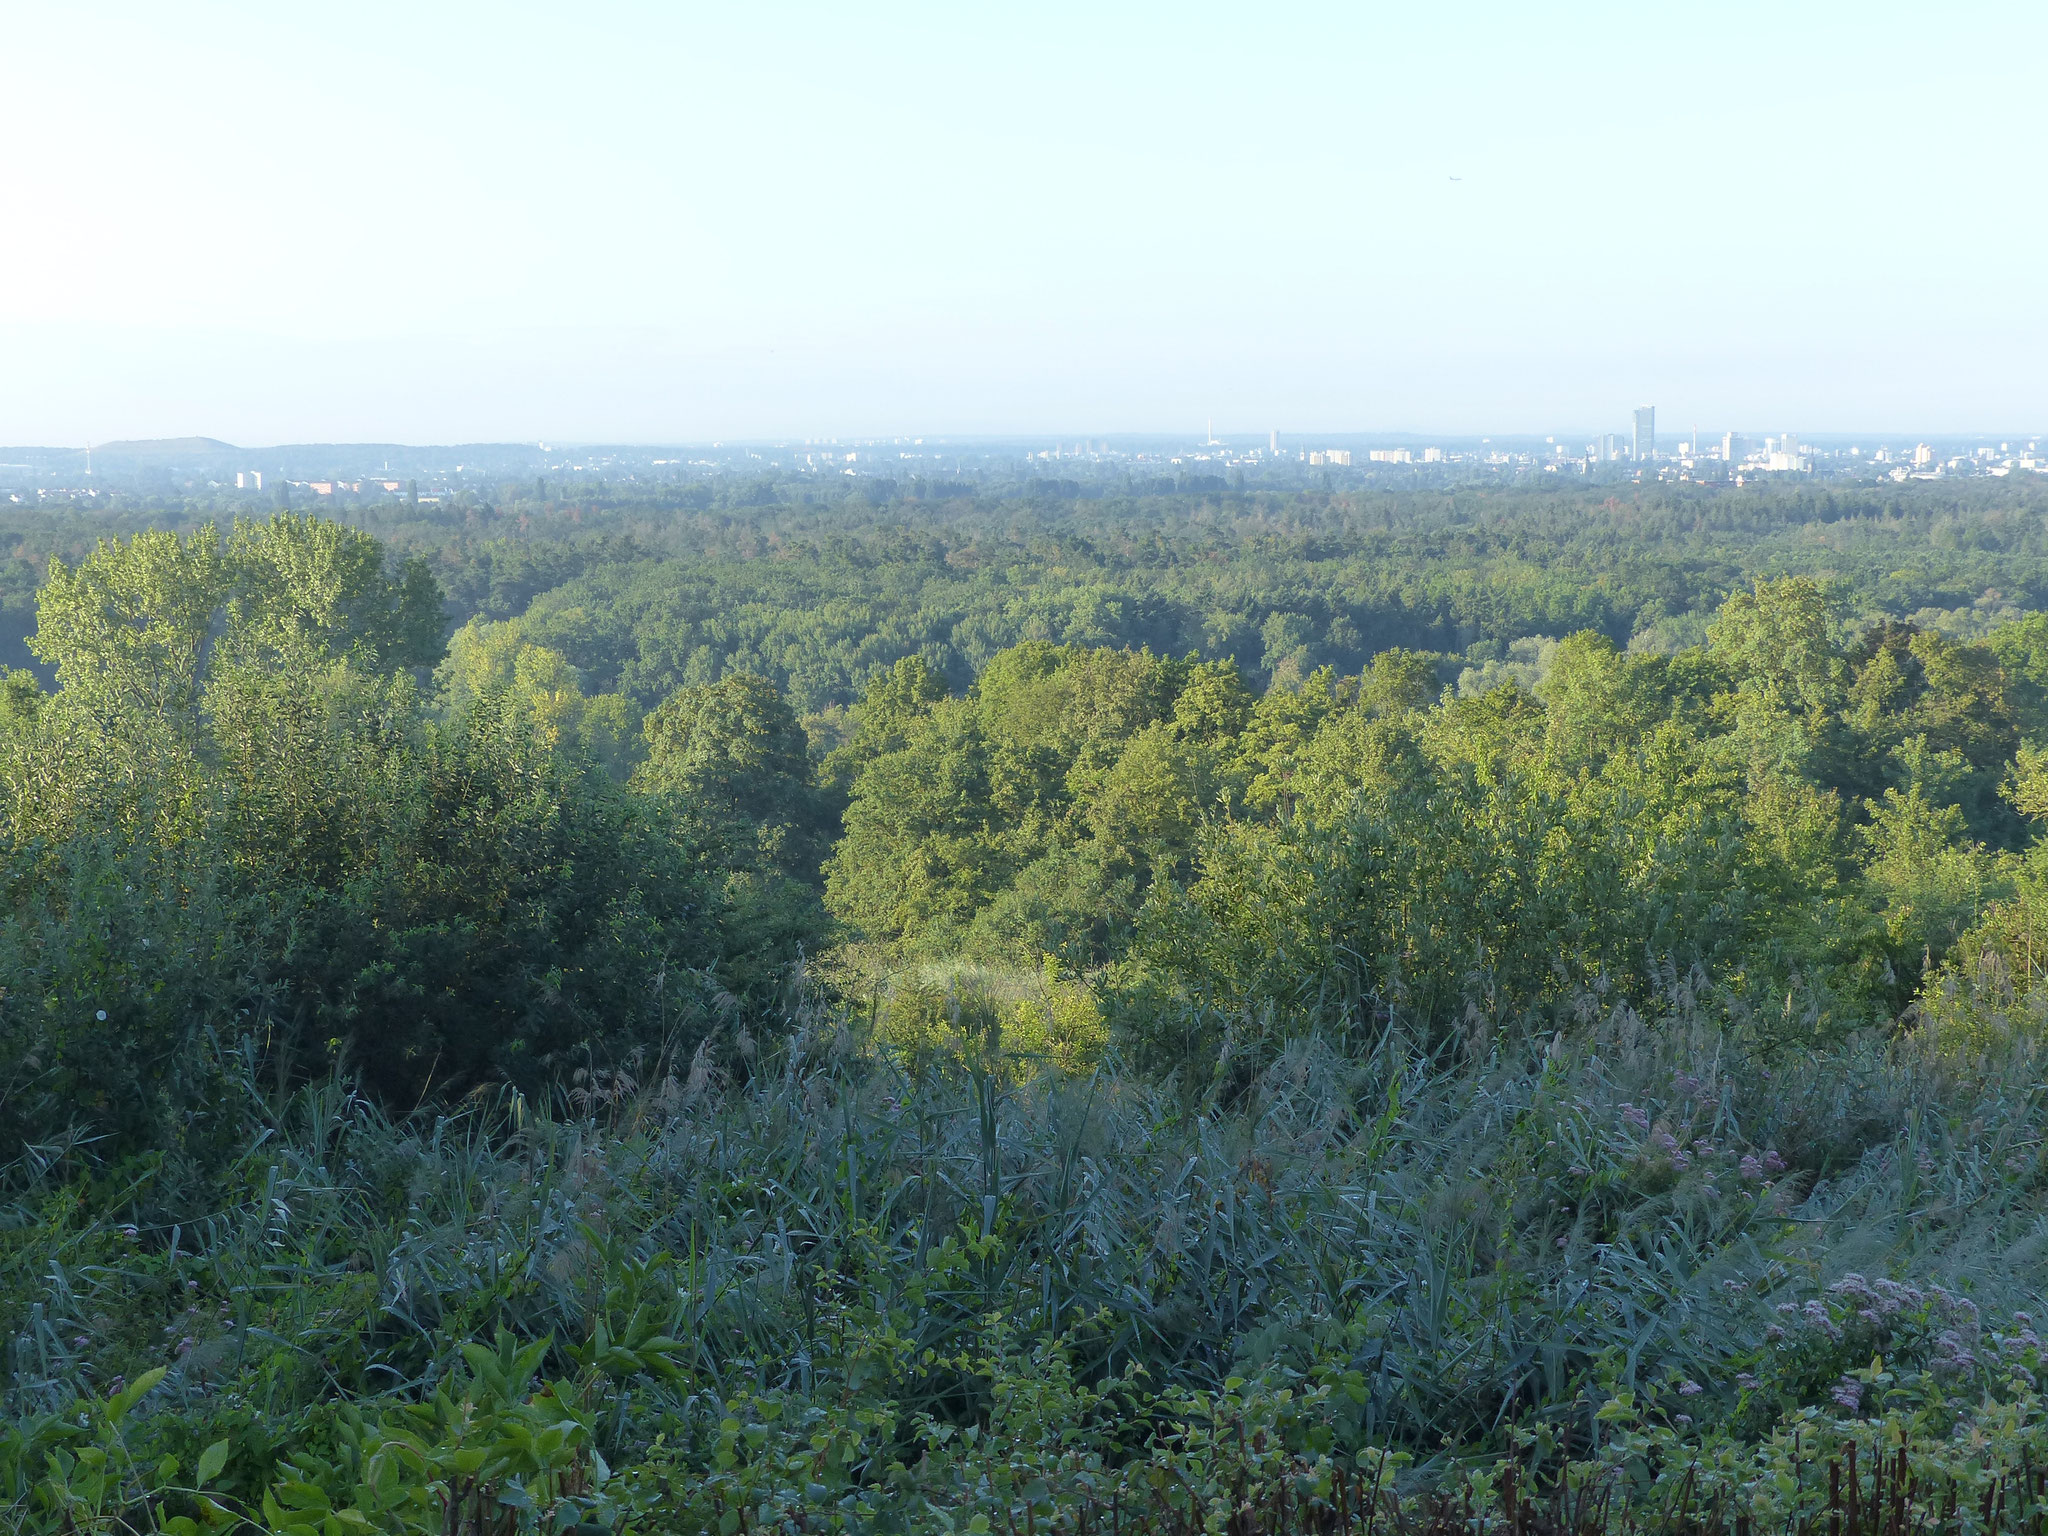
164,448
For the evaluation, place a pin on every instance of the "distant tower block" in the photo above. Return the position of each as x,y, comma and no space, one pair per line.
1273,443
1646,432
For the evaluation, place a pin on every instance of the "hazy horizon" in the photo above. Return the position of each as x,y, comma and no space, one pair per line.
639,225
197,444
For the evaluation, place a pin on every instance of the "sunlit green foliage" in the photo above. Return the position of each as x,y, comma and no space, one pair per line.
239,818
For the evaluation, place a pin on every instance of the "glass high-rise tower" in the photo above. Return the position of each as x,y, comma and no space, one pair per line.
1646,432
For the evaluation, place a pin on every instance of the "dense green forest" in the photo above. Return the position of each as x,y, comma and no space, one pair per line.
904,1011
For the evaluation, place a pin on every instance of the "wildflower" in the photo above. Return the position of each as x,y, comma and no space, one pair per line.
1745,1381
1897,1296
2013,1344
1690,1388
1635,1117
1579,1171
1959,1310
1750,1168
1876,1301
1848,1393
1772,1162
1664,1141
1951,1356
80,1342
1773,1334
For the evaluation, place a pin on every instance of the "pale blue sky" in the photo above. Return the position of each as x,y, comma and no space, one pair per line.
434,222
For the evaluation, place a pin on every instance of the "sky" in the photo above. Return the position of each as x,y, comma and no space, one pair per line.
675,223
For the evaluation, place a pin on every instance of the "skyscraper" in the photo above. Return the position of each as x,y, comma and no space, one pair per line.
1273,443
1646,432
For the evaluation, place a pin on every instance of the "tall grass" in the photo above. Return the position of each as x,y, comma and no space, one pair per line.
1472,1239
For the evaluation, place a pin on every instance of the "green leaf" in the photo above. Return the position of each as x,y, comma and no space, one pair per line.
483,1362
119,1404
211,1460
298,1495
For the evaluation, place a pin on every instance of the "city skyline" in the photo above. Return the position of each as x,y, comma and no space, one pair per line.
341,474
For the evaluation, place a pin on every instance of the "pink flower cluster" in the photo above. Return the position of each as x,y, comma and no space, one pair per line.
1873,1309
1682,1153
2015,1344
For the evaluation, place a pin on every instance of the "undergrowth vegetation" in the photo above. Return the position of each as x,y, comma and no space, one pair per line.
868,1289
